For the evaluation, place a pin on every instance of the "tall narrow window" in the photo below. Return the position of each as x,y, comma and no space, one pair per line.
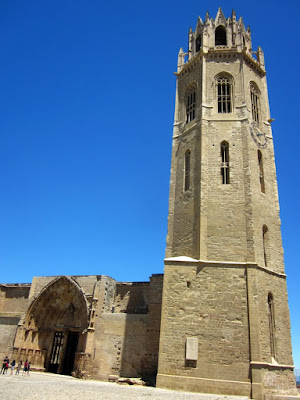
224,94
187,170
225,163
220,36
198,43
265,244
271,325
261,172
191,103
255,103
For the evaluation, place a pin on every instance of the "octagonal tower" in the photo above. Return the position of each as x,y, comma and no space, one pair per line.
225,317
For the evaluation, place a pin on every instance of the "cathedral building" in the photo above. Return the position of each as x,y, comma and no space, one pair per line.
217,320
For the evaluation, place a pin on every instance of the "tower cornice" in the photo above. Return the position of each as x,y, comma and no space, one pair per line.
184,260
254,63
190,63
222,51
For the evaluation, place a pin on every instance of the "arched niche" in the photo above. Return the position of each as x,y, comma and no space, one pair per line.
61,304
220,36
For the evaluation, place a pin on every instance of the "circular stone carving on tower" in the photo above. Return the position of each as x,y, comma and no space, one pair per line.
258,136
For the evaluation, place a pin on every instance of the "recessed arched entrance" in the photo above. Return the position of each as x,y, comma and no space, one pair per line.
54,326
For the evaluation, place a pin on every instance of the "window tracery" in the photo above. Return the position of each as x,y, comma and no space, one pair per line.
255,103
224,90
191,103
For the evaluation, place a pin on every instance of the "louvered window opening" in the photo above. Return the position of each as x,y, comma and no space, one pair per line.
224,95
191,105
255,104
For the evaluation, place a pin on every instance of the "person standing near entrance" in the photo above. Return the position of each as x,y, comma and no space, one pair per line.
25,367
28,368
5,361
19,367
12,367
5,365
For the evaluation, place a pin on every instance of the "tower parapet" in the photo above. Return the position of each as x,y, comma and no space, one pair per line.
221,34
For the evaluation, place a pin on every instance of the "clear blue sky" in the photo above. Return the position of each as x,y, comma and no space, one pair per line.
87,102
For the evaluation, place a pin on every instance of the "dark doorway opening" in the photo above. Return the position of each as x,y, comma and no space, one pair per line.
70,353
58,343
63,352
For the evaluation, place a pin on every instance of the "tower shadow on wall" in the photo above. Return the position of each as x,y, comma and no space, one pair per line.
142,306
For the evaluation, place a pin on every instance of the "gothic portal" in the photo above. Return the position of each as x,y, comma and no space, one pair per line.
55,322
217,321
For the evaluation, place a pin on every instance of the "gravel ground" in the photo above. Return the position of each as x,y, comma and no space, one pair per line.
45,386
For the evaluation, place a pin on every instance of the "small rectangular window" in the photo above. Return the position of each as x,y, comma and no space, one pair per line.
265,244
225,163
272,325
261,172
187,170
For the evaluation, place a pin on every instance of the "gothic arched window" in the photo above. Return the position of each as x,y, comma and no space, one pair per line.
265,244
224,89
255,106
225,163
198,43
191,103
271,318
187,170
261,171
220,36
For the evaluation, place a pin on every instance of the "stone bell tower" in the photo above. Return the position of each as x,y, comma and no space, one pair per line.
225,318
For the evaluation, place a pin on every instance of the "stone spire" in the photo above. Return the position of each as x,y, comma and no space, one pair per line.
220,18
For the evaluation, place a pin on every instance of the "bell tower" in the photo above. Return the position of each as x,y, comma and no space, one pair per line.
225,318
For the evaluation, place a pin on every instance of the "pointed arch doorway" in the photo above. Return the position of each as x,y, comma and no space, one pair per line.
54,326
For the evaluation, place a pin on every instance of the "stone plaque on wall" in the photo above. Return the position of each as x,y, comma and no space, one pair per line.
191,349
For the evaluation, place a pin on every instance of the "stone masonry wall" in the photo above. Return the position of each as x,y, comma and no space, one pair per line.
223,211
120,344
268,283
13,298
132,298
123,323
208,303
184,206
126,334
13,304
